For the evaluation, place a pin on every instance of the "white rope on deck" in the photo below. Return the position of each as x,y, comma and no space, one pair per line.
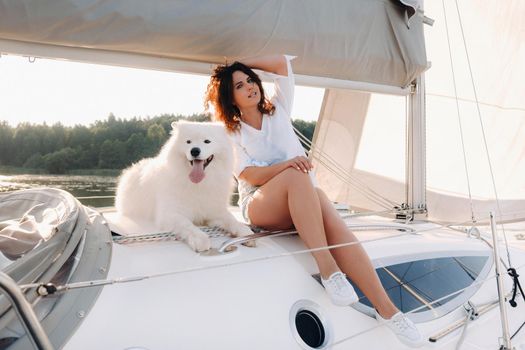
464,331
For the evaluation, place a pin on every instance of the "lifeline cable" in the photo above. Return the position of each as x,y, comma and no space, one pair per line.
93,283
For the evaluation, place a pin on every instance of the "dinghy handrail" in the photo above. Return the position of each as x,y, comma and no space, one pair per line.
227,246
25,312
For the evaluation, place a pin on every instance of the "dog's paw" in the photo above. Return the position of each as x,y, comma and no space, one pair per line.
241,230
251,244
199,241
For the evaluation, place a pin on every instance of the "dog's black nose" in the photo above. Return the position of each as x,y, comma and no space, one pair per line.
195,151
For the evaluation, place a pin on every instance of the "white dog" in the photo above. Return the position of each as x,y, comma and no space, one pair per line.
188,183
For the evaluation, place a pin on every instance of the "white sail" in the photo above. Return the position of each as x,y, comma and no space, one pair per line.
496,54
334,39
495,48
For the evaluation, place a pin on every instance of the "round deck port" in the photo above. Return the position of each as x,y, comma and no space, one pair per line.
309,327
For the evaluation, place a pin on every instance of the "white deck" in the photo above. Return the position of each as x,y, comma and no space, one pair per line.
236,305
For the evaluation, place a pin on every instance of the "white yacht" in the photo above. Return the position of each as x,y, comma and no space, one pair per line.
425,163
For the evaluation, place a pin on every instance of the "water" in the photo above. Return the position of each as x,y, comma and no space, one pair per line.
78,185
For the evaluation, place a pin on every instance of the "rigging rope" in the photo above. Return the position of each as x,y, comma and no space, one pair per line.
310,146
458,114
505,108
341,173
515,286
470,313
517,330
482,129
347,178
382,202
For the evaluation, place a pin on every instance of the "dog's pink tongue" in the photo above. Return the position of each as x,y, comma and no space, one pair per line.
197,172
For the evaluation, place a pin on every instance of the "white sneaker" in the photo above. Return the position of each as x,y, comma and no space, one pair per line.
339,289
404,329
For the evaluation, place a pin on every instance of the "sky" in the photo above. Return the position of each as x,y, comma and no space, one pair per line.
78,93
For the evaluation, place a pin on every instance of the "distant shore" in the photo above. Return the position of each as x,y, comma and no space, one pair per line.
12,170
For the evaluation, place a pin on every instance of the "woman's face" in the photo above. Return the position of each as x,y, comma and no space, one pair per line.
246,92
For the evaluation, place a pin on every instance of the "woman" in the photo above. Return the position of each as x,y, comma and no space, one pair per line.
276,186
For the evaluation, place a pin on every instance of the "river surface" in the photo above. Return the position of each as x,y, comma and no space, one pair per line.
100,189
94,191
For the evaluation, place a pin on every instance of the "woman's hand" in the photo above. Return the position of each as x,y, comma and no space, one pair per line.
269,63
300,163
259,175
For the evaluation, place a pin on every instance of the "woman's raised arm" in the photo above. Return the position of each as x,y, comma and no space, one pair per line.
269,63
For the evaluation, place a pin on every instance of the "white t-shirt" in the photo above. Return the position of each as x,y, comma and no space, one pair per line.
276,141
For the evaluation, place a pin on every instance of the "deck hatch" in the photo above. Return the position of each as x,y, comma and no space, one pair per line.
419,283
413,284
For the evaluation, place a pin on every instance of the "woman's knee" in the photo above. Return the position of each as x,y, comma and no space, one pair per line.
321,194
293,177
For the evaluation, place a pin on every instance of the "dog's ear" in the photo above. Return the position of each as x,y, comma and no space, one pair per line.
175,124
174,128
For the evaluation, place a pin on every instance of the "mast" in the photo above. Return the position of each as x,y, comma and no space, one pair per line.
416,149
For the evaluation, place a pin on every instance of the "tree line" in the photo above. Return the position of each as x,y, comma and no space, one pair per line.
112,143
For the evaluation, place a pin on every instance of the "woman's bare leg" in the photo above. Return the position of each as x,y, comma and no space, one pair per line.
353,260
289,199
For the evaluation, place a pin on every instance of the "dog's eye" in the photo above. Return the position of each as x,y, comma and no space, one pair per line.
188,141
207,141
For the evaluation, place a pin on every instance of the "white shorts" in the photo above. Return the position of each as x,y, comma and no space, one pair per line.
245,203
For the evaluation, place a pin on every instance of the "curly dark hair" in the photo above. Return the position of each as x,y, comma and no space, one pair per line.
219,94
